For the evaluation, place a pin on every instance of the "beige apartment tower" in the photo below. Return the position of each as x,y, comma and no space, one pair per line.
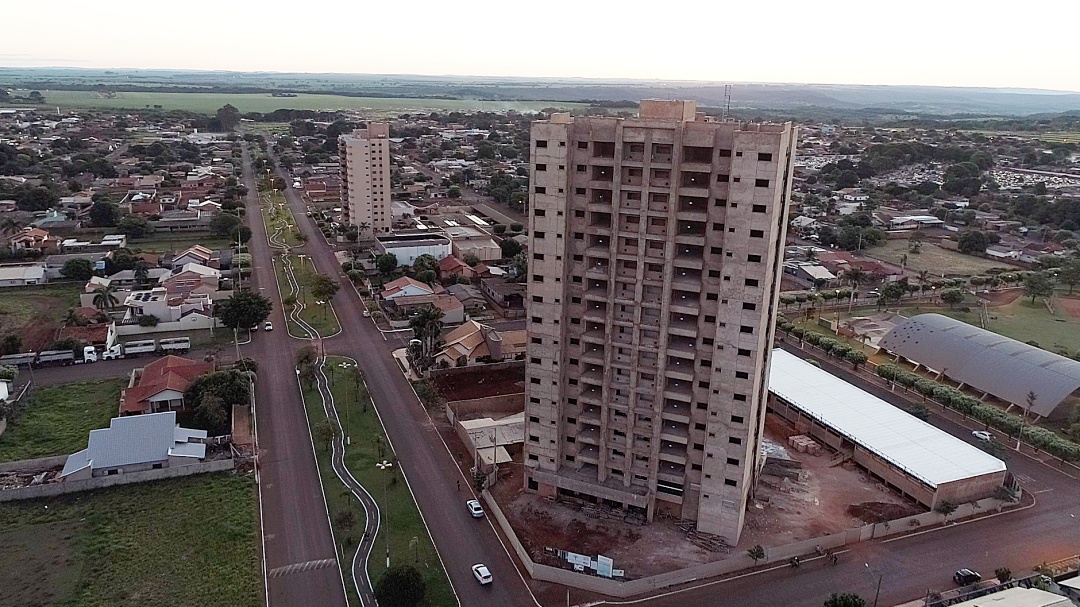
655,247
365,178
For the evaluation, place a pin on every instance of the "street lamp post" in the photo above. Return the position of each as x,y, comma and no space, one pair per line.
877,593
838,304
385,465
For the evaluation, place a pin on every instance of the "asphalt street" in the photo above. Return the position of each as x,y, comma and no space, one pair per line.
299,545
430,469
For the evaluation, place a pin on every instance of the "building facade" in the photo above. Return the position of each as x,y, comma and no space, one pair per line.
655,251
365,178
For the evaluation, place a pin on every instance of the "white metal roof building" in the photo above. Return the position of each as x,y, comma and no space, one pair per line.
915,457
137,442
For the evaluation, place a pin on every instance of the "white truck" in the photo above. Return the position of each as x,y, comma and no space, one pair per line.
131,348
174,345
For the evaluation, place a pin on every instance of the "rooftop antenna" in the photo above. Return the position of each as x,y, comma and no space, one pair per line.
727,102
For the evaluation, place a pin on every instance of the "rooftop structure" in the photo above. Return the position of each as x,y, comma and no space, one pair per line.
131,444
945,465
986,361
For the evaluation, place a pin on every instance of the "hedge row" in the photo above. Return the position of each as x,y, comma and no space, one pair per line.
988,414
833,347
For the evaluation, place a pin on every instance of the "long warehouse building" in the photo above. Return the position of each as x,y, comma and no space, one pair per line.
905,452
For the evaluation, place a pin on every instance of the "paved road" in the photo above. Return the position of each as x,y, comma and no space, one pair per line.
431,470
297,531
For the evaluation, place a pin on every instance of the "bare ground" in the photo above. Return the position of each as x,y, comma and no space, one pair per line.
481,383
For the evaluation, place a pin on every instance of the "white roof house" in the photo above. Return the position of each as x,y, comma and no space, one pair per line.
136,442
907,443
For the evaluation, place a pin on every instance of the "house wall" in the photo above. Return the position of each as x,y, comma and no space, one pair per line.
191,322
61,488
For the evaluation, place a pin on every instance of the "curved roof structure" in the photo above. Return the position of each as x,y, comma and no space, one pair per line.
986,361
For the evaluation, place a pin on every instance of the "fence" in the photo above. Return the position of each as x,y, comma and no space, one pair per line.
100,482
505,403
732,564
451,371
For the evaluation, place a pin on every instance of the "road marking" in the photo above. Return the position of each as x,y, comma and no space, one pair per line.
1042,491
305,566
1023,478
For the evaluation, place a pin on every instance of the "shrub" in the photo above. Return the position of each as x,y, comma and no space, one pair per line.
148,320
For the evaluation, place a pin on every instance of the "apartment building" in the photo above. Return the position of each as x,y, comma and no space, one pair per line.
365,178
655,247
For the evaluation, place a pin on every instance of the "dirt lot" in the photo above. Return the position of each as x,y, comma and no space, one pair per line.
478,384
36,315
1001,298
825,499
1070,305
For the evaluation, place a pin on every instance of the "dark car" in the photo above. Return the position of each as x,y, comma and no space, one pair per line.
965,577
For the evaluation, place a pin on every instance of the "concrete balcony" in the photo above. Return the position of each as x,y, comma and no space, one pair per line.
673,453
677,411
590,436
675,432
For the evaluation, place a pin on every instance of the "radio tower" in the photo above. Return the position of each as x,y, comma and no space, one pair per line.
727,102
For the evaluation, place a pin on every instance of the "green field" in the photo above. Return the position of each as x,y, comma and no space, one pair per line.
321,317
186,541
1022,321
209,103
409,540
57,420
165,242
934,259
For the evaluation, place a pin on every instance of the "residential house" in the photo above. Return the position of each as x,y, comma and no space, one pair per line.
452,309
469,296
467,240
32,239
474,343
160,385
166,307
508,297
405,287
133,444
22,274
194,254
55,263
55,222
452,268
189,277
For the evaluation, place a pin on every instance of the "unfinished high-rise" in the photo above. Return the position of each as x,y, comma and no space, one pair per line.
364,156
655,247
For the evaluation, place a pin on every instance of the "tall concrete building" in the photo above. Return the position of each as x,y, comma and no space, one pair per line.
655,247
365,178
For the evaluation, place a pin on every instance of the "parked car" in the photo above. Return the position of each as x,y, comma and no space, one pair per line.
982,435
475,508
481,573
965,577
367,314
268,326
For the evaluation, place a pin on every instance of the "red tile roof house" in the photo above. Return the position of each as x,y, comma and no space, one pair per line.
451,267
160,385
32,239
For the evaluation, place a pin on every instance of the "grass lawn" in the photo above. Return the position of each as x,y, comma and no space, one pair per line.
208,103
185,541
934,259
36,313
409,541
321,317
57,419
1022,321
166,242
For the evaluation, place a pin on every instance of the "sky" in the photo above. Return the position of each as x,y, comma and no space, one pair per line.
918,42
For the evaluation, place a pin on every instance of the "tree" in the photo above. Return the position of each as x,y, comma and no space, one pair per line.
77,269
1003,574
228,387
134,226
1069,274
946,508
386,263
243,310
973,242
401,586
427,326
453,192
471,259
323,287
327,431
104,214
10,344
847,599
104,298
148,320
1038,284
229,117
952,296
211,414
510,247
225,225
856,358
893,291
757,553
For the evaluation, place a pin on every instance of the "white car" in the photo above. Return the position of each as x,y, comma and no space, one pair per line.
475,508
481,573
982,435
367,314
268,326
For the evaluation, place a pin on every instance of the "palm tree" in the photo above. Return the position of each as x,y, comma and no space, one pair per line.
856,275
923,275
142,273
427,326
104,298
362,227
10,225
